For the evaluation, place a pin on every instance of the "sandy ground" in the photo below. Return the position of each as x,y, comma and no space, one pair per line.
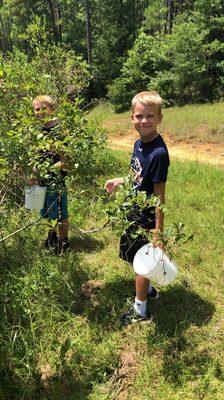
193,151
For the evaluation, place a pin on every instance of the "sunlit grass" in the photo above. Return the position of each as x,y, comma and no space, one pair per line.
115,124
203,122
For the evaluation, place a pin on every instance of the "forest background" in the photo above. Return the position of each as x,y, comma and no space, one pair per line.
173,46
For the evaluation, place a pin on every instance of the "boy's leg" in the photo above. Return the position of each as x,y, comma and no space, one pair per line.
51,231
63,225
63,215
51,239
128,248
48,212
63,243
63,229
142,287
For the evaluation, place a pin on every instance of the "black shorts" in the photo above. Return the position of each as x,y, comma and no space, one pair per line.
129,245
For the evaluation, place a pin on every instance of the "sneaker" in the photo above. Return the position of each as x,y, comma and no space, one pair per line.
153,294
51,240
62,246
131,317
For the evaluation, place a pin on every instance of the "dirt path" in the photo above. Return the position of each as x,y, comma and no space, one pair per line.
194,151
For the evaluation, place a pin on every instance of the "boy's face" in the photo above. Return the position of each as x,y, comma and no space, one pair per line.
41,110
145,120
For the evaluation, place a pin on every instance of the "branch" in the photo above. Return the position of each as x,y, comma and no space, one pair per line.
91,230
39,219
27,226
21,229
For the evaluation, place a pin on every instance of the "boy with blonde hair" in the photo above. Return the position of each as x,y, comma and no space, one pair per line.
55,206
149,163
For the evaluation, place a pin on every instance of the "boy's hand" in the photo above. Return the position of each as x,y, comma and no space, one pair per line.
111,184
59,165
156,240
156,244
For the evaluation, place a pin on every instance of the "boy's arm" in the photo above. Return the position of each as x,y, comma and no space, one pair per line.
159,191
62,163
111,184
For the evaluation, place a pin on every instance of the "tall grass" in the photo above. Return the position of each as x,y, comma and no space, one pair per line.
60,336
201,122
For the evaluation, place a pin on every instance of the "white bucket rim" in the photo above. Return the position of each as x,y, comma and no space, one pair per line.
35,188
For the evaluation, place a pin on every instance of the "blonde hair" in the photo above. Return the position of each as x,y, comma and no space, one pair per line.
45,100
148,99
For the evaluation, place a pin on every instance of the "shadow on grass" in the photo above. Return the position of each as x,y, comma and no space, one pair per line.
86,243
178,308
102,303
175,312
56,388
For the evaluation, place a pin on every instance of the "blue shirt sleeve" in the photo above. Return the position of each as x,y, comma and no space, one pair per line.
159,167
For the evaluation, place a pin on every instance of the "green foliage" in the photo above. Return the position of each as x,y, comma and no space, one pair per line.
155,17
120,204
113,27
184,67
57,68
83,141
113,30
188,79
185,80
136,72
115,40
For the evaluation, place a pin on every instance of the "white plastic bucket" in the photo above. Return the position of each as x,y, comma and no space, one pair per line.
35,197
152,263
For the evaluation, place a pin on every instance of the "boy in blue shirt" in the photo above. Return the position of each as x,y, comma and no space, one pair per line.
55,206
149,163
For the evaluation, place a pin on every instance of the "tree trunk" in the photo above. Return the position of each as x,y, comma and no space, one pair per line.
169,15
88,32
54,21
4,38
59,19
10,44
89,45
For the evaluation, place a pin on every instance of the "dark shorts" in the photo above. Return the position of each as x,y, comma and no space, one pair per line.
55,206
129,245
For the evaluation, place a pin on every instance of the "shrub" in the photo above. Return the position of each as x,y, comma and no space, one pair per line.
64,75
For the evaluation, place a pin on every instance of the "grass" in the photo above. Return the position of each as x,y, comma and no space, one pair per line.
115,124
59,332
201,122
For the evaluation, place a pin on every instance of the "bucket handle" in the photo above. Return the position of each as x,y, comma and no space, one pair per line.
150,245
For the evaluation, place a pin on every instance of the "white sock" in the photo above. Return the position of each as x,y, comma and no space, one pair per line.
140,307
